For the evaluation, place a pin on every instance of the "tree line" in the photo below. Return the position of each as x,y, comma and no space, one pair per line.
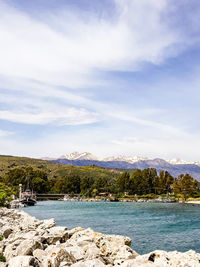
90,181
148,181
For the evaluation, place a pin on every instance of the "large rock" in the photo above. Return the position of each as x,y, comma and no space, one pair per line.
27,247
24,261
10,249
123,253
78,253
75,230
57,255
108,247
162,258
88,235
89,263
174,258
5,231
92,252
40,254
137,262
28,235
47,224
28,222
55,234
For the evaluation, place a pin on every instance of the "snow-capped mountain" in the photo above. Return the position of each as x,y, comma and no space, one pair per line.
126,159
180,161
79,156
133,159
175,166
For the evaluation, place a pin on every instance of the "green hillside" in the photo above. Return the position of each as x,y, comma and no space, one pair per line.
47,177
10,162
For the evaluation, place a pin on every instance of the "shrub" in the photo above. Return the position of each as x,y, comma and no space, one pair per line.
2,258
149,196
5,195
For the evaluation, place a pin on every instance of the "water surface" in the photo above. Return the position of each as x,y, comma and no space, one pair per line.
151,226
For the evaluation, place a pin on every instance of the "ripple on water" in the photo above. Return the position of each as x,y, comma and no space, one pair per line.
167,226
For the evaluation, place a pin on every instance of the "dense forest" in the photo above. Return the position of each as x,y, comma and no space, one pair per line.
47,177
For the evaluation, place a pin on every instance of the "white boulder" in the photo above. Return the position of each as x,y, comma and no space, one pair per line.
24,261
89,263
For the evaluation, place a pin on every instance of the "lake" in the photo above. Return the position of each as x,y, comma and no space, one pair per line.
167,226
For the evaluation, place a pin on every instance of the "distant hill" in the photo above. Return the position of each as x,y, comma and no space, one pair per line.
9,162
62,166
159,164
53,169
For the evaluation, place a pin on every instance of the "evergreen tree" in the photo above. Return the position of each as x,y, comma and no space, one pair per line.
185,185
123,182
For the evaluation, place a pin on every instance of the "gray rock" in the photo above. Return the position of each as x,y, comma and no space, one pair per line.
56,256
137,263
77,252
10,249
92,252
75,230
162,258
47,224
89,263
24,261
55,234
40,254
6,231
27,247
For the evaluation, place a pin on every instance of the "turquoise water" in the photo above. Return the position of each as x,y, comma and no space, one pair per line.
150,225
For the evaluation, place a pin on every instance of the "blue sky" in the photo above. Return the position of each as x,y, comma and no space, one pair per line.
112,77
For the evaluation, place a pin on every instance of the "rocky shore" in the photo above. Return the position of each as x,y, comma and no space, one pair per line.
114,199
26,241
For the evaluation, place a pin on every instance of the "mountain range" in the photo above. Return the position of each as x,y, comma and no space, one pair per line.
175,166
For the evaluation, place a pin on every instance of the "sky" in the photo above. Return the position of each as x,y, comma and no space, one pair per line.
112,77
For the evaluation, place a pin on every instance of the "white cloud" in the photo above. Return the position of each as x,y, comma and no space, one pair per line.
67,49
136,117
4,133
43,105
37,56
37,50
68,116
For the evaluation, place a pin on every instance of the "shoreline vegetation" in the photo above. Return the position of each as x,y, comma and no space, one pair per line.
92,182
27,241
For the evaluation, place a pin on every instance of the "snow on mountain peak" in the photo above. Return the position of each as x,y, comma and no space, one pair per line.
79,156
126,159
177,161
129,159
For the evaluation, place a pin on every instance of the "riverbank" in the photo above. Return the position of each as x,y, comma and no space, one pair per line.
155,199
139,199
27,241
